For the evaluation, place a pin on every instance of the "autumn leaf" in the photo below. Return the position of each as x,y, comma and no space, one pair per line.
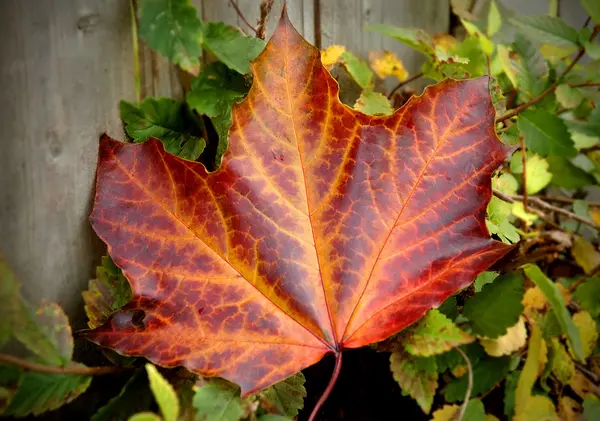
417,376
323,229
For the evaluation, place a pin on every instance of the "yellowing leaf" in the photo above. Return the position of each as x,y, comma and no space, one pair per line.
163,392
373,103
446,413
538,176
417,377
514,339
569,409
331,55
534,300
537,408
444,43
530,370
519,211
587,331
585,254
562,366
387,63
460,370
581,385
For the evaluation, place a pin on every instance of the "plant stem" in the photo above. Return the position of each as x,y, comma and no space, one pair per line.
524,163
401,84
136,52
566,200
41,368
551,89
265,10
463,408
327,392
511,198
242,17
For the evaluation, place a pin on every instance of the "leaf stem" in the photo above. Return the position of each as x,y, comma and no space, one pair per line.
329,388
242,17
463,408
551,89
49,369
401,84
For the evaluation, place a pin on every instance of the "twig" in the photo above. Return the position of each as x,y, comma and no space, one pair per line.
545,206
401,84
567,200
551,89
41,368
242,17
265,10
584,84
524,163
463,408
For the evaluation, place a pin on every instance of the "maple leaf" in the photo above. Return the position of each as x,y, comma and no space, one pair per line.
323,229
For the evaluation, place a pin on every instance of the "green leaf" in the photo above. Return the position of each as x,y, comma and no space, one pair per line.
587,296
588,332
286,397
145,416
373,103
163,392
494,19
475,411
530,369
591,408
545,134
486,45
557,303
592,8
561,364
133,397
497,307
106,294
567,96
271,417
231,46
567,175
449,308
358,69
218,400
507,64
172,28
510,386
41,392
434,334
417,377
413,37
499,211
585,254
449,360
486,374
483,279
538,176
547,29
213,93
165,119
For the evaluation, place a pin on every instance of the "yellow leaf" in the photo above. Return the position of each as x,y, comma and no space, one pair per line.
537,408
519,211
514,339
595,215
489,417
588,332
562,365
581,385
569,409
331,55
534,300
446,413
543,357
386,63
585,255
460,370
444,43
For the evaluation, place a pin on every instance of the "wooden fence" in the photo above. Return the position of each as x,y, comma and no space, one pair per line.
65,64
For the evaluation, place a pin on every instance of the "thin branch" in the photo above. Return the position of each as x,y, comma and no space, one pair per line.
329,388
265,10
551,89
41,368
463,408
584,84
567,200
401,84
242,17
524,163
544,206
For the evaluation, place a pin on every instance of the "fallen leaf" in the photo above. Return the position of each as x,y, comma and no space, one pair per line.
323,229
514,339
588,332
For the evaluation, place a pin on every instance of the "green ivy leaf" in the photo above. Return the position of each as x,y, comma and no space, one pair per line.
231,46
547,29
434,334
415,38
106,294
133,397
163,392
41,392
373,103
545,134
497,307
213,93
486,374
567,175
592,8
557,303
218,400
417,377
167,120
587,296
172,28
286,397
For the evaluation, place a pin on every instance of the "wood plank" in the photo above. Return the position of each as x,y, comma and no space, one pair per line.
65,65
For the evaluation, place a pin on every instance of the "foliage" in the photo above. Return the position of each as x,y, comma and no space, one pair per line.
524,333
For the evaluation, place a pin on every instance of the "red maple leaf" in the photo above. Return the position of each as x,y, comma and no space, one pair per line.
324,228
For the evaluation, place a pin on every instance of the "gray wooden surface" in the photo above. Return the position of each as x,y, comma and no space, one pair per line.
65,64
